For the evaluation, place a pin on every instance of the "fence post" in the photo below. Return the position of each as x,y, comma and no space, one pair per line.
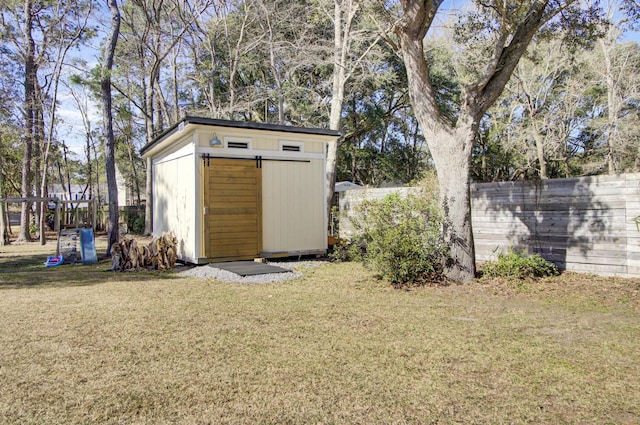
56,226
94,212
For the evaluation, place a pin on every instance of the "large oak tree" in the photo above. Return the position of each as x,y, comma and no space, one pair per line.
501,31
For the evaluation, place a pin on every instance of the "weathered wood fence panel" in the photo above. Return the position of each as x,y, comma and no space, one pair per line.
581,224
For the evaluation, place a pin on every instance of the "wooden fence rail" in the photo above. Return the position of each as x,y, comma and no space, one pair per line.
586,224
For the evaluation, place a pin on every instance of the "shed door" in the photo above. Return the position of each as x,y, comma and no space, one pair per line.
233,209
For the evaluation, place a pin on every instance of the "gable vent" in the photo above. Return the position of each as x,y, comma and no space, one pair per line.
238,145
291,148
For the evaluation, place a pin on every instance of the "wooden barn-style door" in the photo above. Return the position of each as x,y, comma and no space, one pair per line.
232,209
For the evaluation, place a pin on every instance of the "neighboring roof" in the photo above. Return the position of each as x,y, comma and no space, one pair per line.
238,124
58,188
342,186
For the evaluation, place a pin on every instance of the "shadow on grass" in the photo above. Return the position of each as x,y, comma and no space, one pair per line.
25,271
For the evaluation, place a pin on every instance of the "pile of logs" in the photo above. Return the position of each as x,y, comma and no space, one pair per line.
159,254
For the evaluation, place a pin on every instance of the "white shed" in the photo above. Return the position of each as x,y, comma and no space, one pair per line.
239,190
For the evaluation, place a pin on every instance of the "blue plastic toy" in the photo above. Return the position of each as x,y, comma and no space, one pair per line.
87,247
54,260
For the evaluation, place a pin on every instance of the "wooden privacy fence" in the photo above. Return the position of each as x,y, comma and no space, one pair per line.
586,224
131,218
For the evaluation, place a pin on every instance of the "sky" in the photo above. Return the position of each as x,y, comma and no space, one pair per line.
72,129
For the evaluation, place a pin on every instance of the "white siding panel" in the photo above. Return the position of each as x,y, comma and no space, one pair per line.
174,203
293,206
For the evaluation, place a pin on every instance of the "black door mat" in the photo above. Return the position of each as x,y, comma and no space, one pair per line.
248,268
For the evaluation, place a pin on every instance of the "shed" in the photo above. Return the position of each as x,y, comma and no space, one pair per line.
346,185
235,190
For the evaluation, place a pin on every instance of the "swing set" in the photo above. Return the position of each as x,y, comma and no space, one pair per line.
72,224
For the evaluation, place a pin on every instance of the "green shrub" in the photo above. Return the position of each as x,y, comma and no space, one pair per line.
400,238
346,251
519,266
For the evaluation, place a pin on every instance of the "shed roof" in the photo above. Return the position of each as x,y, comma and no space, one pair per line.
236,124
343,186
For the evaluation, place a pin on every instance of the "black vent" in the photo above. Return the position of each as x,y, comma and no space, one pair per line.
291,148
238,145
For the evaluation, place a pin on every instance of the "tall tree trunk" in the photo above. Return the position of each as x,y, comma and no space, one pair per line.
37,156
275,72
341,42
452,159
150,130
174,87
4,224
148,119
40,170
612,107
105,84
89,162
30,81
451,144
149,115
542,161
162,113
450,148
97,174
4,234
607,45
66,179
134,169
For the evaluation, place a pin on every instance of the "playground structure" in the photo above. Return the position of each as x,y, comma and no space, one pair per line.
72,242
73,225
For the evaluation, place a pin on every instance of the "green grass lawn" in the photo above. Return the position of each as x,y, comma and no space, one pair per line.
80,344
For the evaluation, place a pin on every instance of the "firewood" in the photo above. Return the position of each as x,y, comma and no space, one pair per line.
160,254
134,255
116,257
145,257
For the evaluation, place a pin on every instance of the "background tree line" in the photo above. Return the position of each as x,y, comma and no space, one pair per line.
569,108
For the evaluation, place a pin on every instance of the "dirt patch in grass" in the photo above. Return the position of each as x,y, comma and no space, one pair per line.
336,346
